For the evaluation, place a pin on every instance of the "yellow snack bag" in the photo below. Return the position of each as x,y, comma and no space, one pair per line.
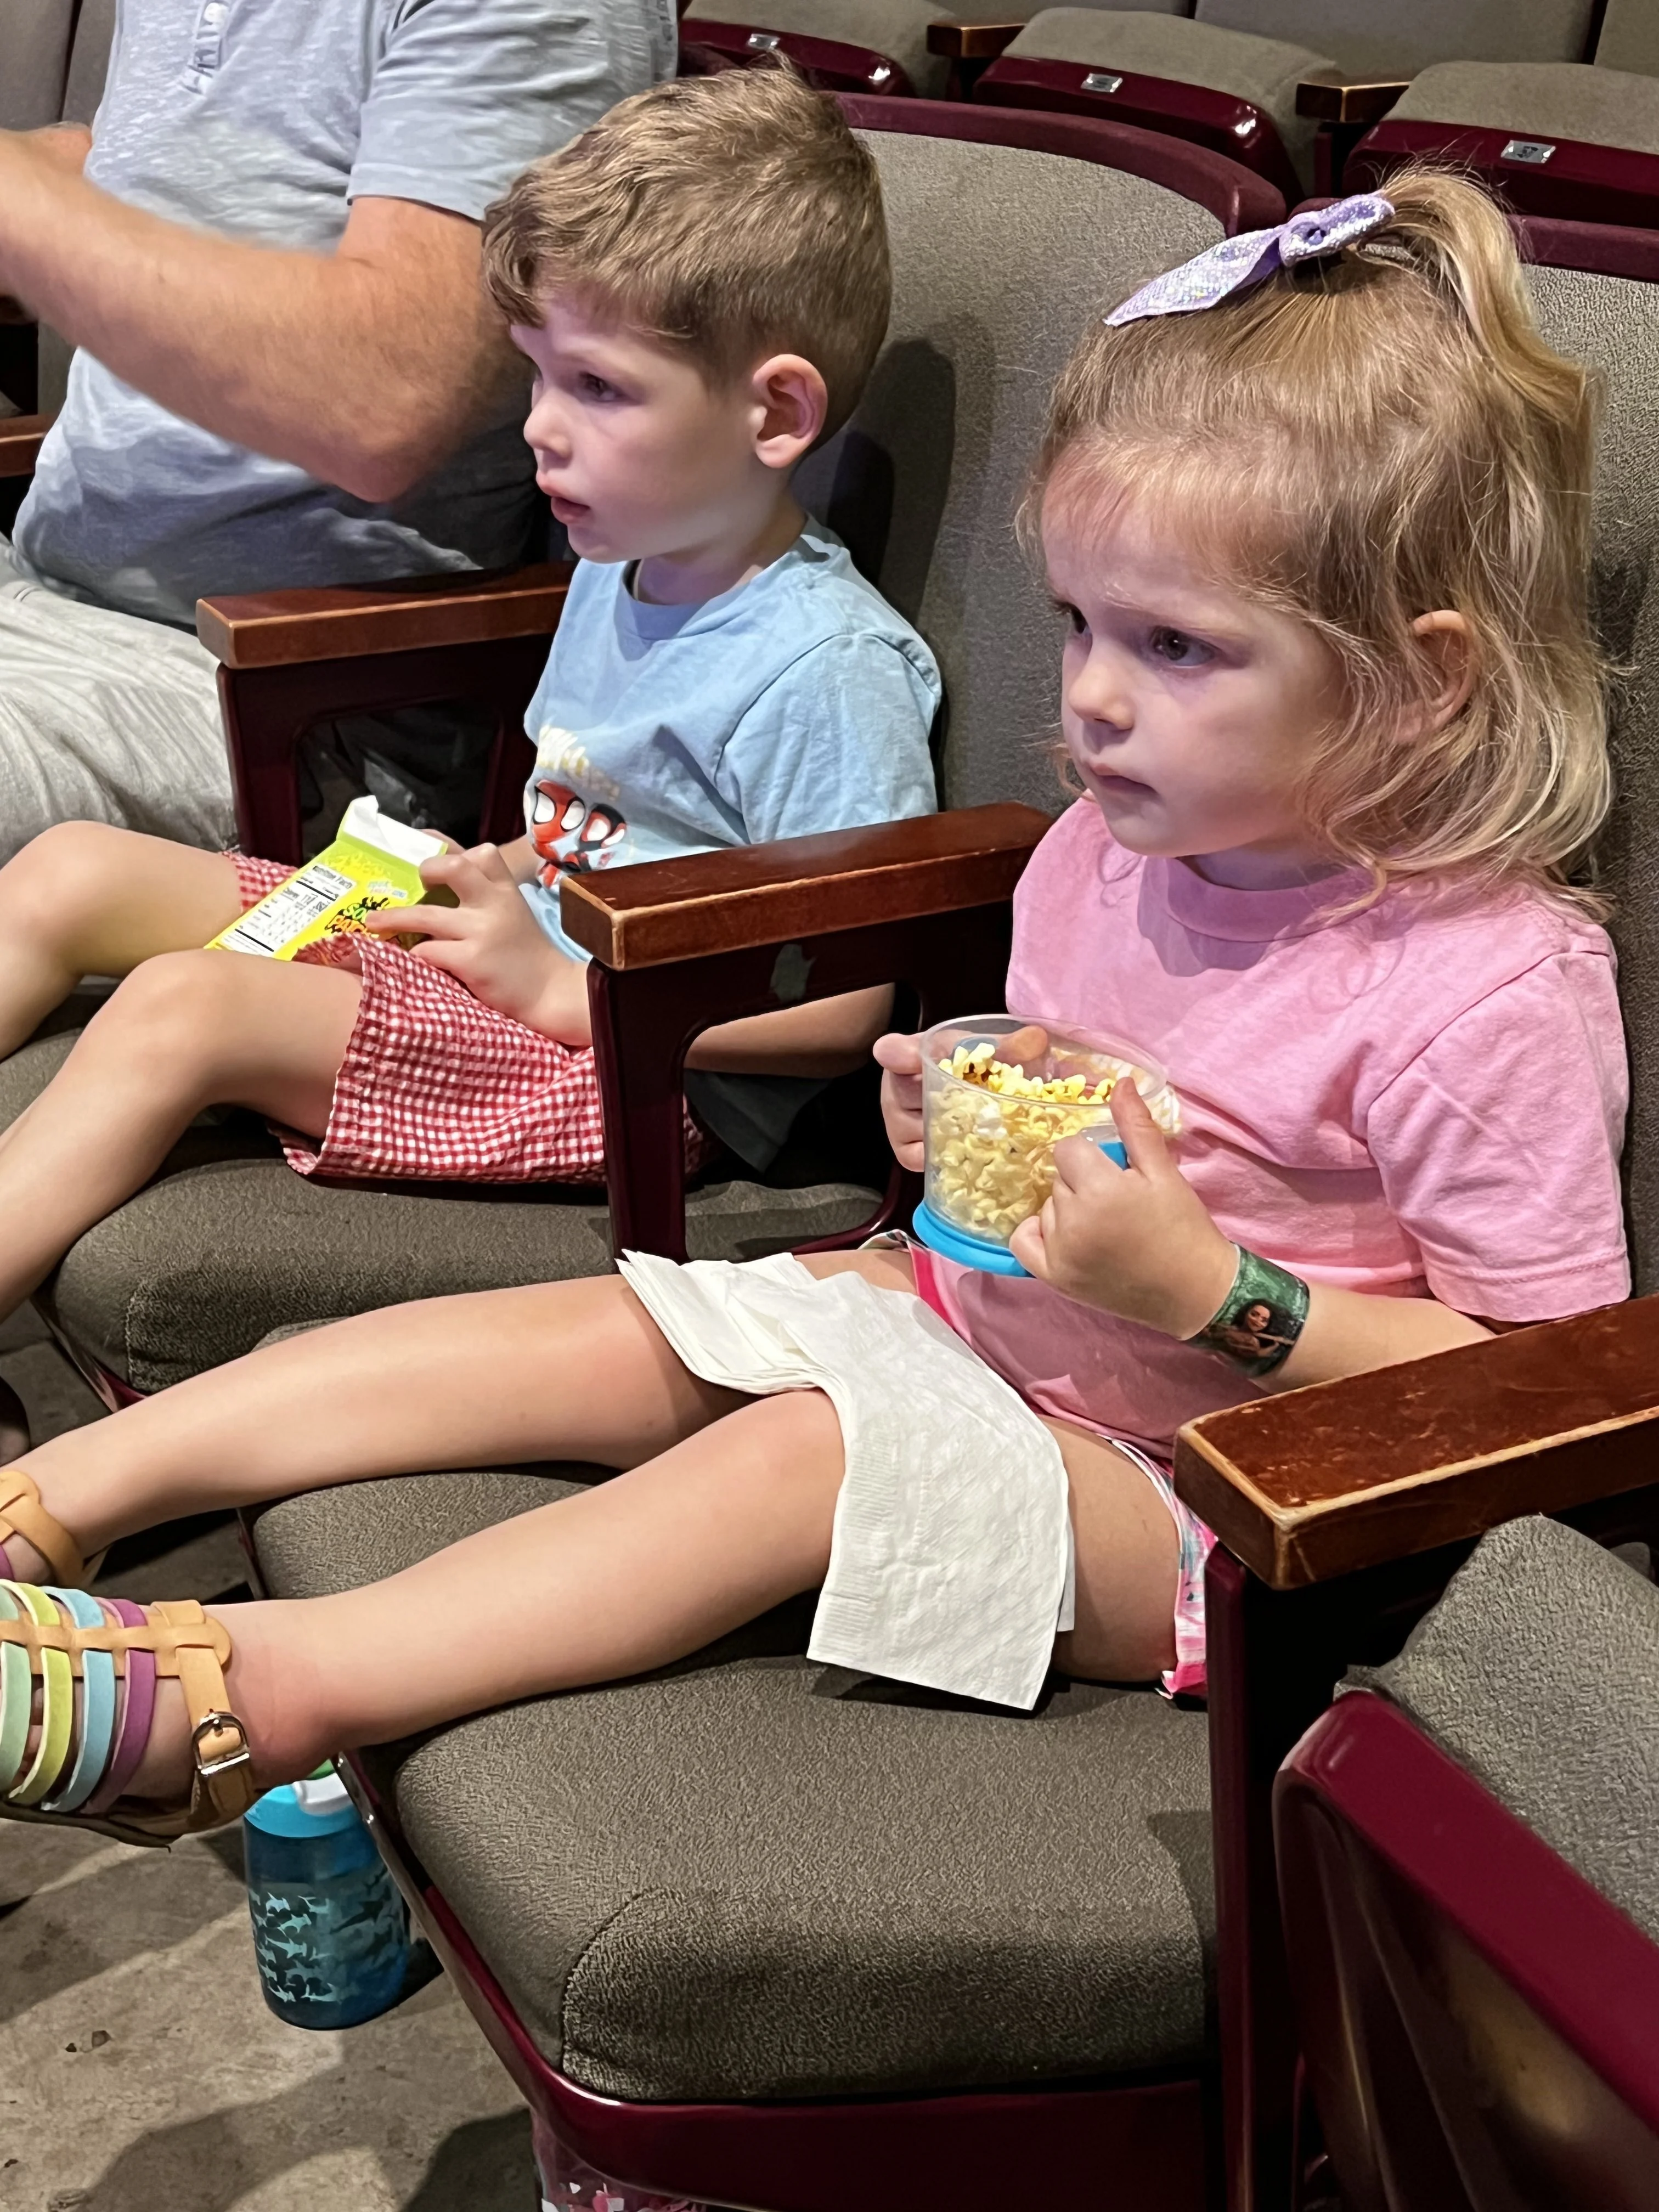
372,863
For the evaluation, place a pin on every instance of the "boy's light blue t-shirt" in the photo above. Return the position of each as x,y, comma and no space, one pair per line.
798,702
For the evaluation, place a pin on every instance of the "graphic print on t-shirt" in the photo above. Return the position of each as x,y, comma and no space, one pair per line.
573,834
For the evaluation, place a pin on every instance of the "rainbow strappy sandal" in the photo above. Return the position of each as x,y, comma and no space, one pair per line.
83,1759
21,1513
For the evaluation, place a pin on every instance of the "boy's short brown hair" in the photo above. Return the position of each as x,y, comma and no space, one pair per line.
733,216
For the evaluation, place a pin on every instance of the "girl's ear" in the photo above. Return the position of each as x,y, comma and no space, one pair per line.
793,400
1447,644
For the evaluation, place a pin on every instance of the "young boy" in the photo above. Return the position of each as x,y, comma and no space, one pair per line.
701,283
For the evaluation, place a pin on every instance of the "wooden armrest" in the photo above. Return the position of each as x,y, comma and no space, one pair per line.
972,42
347,622
1347,103
21,439
1323,1481
750,895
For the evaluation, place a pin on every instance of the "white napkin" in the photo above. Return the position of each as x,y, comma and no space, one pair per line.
951,1563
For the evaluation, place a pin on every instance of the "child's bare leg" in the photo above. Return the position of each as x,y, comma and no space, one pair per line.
185,1030
85,899
557,1370
624,1577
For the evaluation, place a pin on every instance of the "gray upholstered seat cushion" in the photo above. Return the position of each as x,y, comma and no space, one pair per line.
1539,100
731,1881
1265,71
196,1269
1539,1671
1398,39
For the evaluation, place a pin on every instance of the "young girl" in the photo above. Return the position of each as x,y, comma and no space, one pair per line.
1315,509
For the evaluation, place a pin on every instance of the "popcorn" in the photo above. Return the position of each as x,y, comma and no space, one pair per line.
992,1126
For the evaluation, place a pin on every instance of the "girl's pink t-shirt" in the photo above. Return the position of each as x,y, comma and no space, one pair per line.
1426,1098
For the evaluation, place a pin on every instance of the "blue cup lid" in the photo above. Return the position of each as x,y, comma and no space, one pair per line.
318,1806
956,1244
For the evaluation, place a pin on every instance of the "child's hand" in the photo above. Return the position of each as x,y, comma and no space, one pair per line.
1134,1241
493,942
901,1097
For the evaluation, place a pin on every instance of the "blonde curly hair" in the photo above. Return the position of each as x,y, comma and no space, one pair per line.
1355,443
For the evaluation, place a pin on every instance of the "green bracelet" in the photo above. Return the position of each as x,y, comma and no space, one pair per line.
1256,1325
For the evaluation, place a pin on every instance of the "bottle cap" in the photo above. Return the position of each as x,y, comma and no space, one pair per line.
318,1806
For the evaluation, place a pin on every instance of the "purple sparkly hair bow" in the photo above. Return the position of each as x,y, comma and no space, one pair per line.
1239,264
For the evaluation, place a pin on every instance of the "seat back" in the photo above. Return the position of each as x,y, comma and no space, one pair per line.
1630,37
1001,252
56,54
1233,93
1471,1894
893,29
1399,40
56,58
35,38
1611,322
89,59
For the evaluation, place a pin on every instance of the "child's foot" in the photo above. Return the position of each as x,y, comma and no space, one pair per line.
117,1716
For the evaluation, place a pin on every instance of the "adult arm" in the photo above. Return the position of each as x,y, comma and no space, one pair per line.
365,367
66,146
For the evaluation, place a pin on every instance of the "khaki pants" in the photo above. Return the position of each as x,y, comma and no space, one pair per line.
105,718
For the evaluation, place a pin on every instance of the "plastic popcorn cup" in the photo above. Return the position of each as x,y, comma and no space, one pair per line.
372,863
998,1095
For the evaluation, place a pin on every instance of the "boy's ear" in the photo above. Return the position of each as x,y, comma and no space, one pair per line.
1447,644
793,401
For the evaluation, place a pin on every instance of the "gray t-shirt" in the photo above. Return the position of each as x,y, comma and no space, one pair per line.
262,121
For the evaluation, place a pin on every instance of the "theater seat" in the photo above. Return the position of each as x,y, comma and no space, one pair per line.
1222,88
979,1897
1575,140
869,33
1230,76
1471,1893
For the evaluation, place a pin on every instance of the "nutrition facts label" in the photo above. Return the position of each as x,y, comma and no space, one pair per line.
289,908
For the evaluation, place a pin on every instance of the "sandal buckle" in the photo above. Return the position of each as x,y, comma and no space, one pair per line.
210,1725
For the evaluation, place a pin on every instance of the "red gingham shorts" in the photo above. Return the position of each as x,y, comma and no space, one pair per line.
436,1086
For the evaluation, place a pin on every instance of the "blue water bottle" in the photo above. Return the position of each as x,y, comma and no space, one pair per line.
331,1932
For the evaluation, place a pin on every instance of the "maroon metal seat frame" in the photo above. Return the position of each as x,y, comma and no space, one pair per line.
1218,121
831,65
1574,181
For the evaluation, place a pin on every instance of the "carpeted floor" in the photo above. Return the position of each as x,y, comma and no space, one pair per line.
140,2070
